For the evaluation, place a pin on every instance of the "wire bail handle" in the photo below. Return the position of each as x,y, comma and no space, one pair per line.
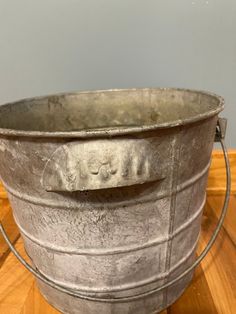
219,137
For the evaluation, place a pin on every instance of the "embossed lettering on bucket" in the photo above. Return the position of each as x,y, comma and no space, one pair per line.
107,189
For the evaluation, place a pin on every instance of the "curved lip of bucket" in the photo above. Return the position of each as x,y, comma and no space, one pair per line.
114,131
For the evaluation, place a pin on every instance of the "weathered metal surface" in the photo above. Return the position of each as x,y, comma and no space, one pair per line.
80,166
108,188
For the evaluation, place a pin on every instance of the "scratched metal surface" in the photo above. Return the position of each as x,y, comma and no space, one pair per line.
108,190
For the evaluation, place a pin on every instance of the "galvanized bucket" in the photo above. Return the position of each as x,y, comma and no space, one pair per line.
107,189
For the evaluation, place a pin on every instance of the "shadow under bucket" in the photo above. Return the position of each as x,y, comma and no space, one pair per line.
107,189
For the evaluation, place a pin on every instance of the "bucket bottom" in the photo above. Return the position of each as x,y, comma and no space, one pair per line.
152,304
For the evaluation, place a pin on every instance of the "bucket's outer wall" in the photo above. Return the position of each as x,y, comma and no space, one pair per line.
116,241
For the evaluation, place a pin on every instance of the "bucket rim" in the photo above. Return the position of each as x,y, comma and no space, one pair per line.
114,131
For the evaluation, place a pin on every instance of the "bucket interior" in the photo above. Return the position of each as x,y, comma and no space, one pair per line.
107,109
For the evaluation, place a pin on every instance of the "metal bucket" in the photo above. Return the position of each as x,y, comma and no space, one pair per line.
107,189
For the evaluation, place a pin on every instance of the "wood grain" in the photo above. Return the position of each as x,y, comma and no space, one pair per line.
36,304
216,203
196,298
220,265
216,189
217,175
3,193
213,289
16,283
7,221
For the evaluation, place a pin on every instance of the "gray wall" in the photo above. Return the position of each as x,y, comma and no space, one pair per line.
51,46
